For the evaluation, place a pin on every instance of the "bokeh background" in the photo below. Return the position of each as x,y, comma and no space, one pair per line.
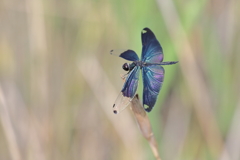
58,81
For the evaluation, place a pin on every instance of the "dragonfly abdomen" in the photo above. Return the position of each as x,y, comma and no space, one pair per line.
162,63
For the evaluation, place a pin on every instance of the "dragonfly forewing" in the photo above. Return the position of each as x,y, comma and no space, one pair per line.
129,55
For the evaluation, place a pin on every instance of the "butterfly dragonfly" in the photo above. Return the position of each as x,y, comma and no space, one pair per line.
152,72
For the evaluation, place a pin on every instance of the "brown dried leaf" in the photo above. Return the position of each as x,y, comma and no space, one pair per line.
144,124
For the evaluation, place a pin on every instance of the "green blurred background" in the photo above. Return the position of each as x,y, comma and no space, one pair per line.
58,81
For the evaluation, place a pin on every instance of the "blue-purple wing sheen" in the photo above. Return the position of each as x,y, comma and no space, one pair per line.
152,82
151,49
130,86
153,75
128,91
129,55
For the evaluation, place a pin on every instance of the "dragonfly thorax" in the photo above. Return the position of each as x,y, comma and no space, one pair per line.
139,63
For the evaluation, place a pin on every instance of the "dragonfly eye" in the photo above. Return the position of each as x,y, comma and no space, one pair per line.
125,67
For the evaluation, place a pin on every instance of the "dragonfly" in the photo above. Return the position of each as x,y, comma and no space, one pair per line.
152,72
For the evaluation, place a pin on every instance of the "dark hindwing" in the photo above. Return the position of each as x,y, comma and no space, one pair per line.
130,86
151,48
152,82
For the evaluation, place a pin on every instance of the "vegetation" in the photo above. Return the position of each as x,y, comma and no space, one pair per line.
58,80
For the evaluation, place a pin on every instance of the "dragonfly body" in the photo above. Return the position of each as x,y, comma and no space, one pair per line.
141,64
152,72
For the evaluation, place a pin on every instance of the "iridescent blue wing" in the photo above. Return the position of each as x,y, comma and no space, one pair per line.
151,49
152,82
126,54
128,91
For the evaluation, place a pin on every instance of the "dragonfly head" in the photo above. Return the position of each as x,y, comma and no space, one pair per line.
125,67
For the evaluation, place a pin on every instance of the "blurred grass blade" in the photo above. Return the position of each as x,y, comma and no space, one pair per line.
192,74
8,128
99,82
